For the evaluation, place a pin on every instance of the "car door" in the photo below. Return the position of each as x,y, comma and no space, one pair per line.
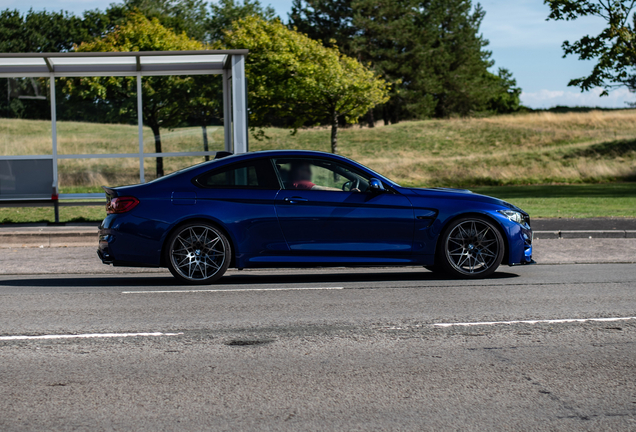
318,217
241,197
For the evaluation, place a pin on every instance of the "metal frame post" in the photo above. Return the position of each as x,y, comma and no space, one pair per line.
227,110
239,104
140,124
54,147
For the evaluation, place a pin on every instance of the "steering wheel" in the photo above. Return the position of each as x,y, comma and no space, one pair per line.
353,184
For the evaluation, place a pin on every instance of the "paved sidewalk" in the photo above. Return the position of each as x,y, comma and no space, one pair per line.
85,234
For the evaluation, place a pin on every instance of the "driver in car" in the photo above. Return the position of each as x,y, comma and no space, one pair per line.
301,175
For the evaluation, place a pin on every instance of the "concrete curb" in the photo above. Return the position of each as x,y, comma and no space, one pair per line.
48,238
572,234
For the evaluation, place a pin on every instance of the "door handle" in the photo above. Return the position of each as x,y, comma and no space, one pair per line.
294,200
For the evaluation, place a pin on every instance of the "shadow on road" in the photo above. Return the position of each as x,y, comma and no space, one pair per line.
311,277
249,279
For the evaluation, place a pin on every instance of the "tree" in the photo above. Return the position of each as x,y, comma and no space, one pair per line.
163,97
292,76
614,48
224,12
507,99
328,21
44,31
182,16
341,87
431,51
41,31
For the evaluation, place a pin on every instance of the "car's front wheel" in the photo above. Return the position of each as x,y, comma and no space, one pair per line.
472,247
198,253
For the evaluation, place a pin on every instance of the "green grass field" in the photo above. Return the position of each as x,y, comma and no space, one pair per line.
576,164
569,201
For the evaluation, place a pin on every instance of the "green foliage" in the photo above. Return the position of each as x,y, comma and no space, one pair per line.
614,48
44,31
164,97
224,12
292,76
430,50
182,16
507,99
327,21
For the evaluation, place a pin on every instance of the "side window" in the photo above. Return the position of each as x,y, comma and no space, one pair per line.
249,175
319,174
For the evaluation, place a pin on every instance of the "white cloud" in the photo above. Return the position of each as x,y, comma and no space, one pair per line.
550,98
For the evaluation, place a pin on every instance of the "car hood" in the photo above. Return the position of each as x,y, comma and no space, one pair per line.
453,193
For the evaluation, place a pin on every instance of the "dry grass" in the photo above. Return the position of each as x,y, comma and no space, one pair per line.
513,149
536,148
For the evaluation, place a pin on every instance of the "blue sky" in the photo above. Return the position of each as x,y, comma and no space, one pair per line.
520,40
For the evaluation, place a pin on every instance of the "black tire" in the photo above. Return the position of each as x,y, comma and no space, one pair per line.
198,253
471,248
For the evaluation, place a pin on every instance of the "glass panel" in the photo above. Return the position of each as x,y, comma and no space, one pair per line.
184,112
25,116
318,174
186,139
244,176
170,165
90,125
89,175
254,174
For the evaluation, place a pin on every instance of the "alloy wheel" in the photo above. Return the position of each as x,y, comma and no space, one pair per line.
198,253
472,247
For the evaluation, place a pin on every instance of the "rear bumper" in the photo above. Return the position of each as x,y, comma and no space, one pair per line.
104,255
126,240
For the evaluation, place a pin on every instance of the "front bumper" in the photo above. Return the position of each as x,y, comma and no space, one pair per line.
521,247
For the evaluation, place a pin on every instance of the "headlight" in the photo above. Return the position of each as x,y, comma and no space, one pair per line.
514,216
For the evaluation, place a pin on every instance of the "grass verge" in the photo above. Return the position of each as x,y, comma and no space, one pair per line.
569,201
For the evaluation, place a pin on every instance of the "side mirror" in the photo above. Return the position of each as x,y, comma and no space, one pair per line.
376,185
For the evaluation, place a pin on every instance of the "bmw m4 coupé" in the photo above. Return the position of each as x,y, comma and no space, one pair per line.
303,209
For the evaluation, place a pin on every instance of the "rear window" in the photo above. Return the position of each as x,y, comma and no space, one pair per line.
257,174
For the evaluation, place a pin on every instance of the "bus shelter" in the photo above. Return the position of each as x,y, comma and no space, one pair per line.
228,63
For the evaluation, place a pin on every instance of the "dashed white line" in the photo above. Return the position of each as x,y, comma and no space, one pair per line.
86,336
231,290
546,321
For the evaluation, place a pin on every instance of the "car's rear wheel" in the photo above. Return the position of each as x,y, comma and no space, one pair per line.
472,247
198,253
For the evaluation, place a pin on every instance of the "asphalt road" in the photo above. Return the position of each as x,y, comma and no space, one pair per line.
336,349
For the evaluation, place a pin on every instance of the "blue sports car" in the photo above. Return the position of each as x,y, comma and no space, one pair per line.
305,208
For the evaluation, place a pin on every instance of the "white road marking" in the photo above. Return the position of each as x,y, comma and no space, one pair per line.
548,321
232,290
88,335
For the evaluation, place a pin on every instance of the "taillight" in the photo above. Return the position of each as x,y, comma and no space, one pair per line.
121,205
